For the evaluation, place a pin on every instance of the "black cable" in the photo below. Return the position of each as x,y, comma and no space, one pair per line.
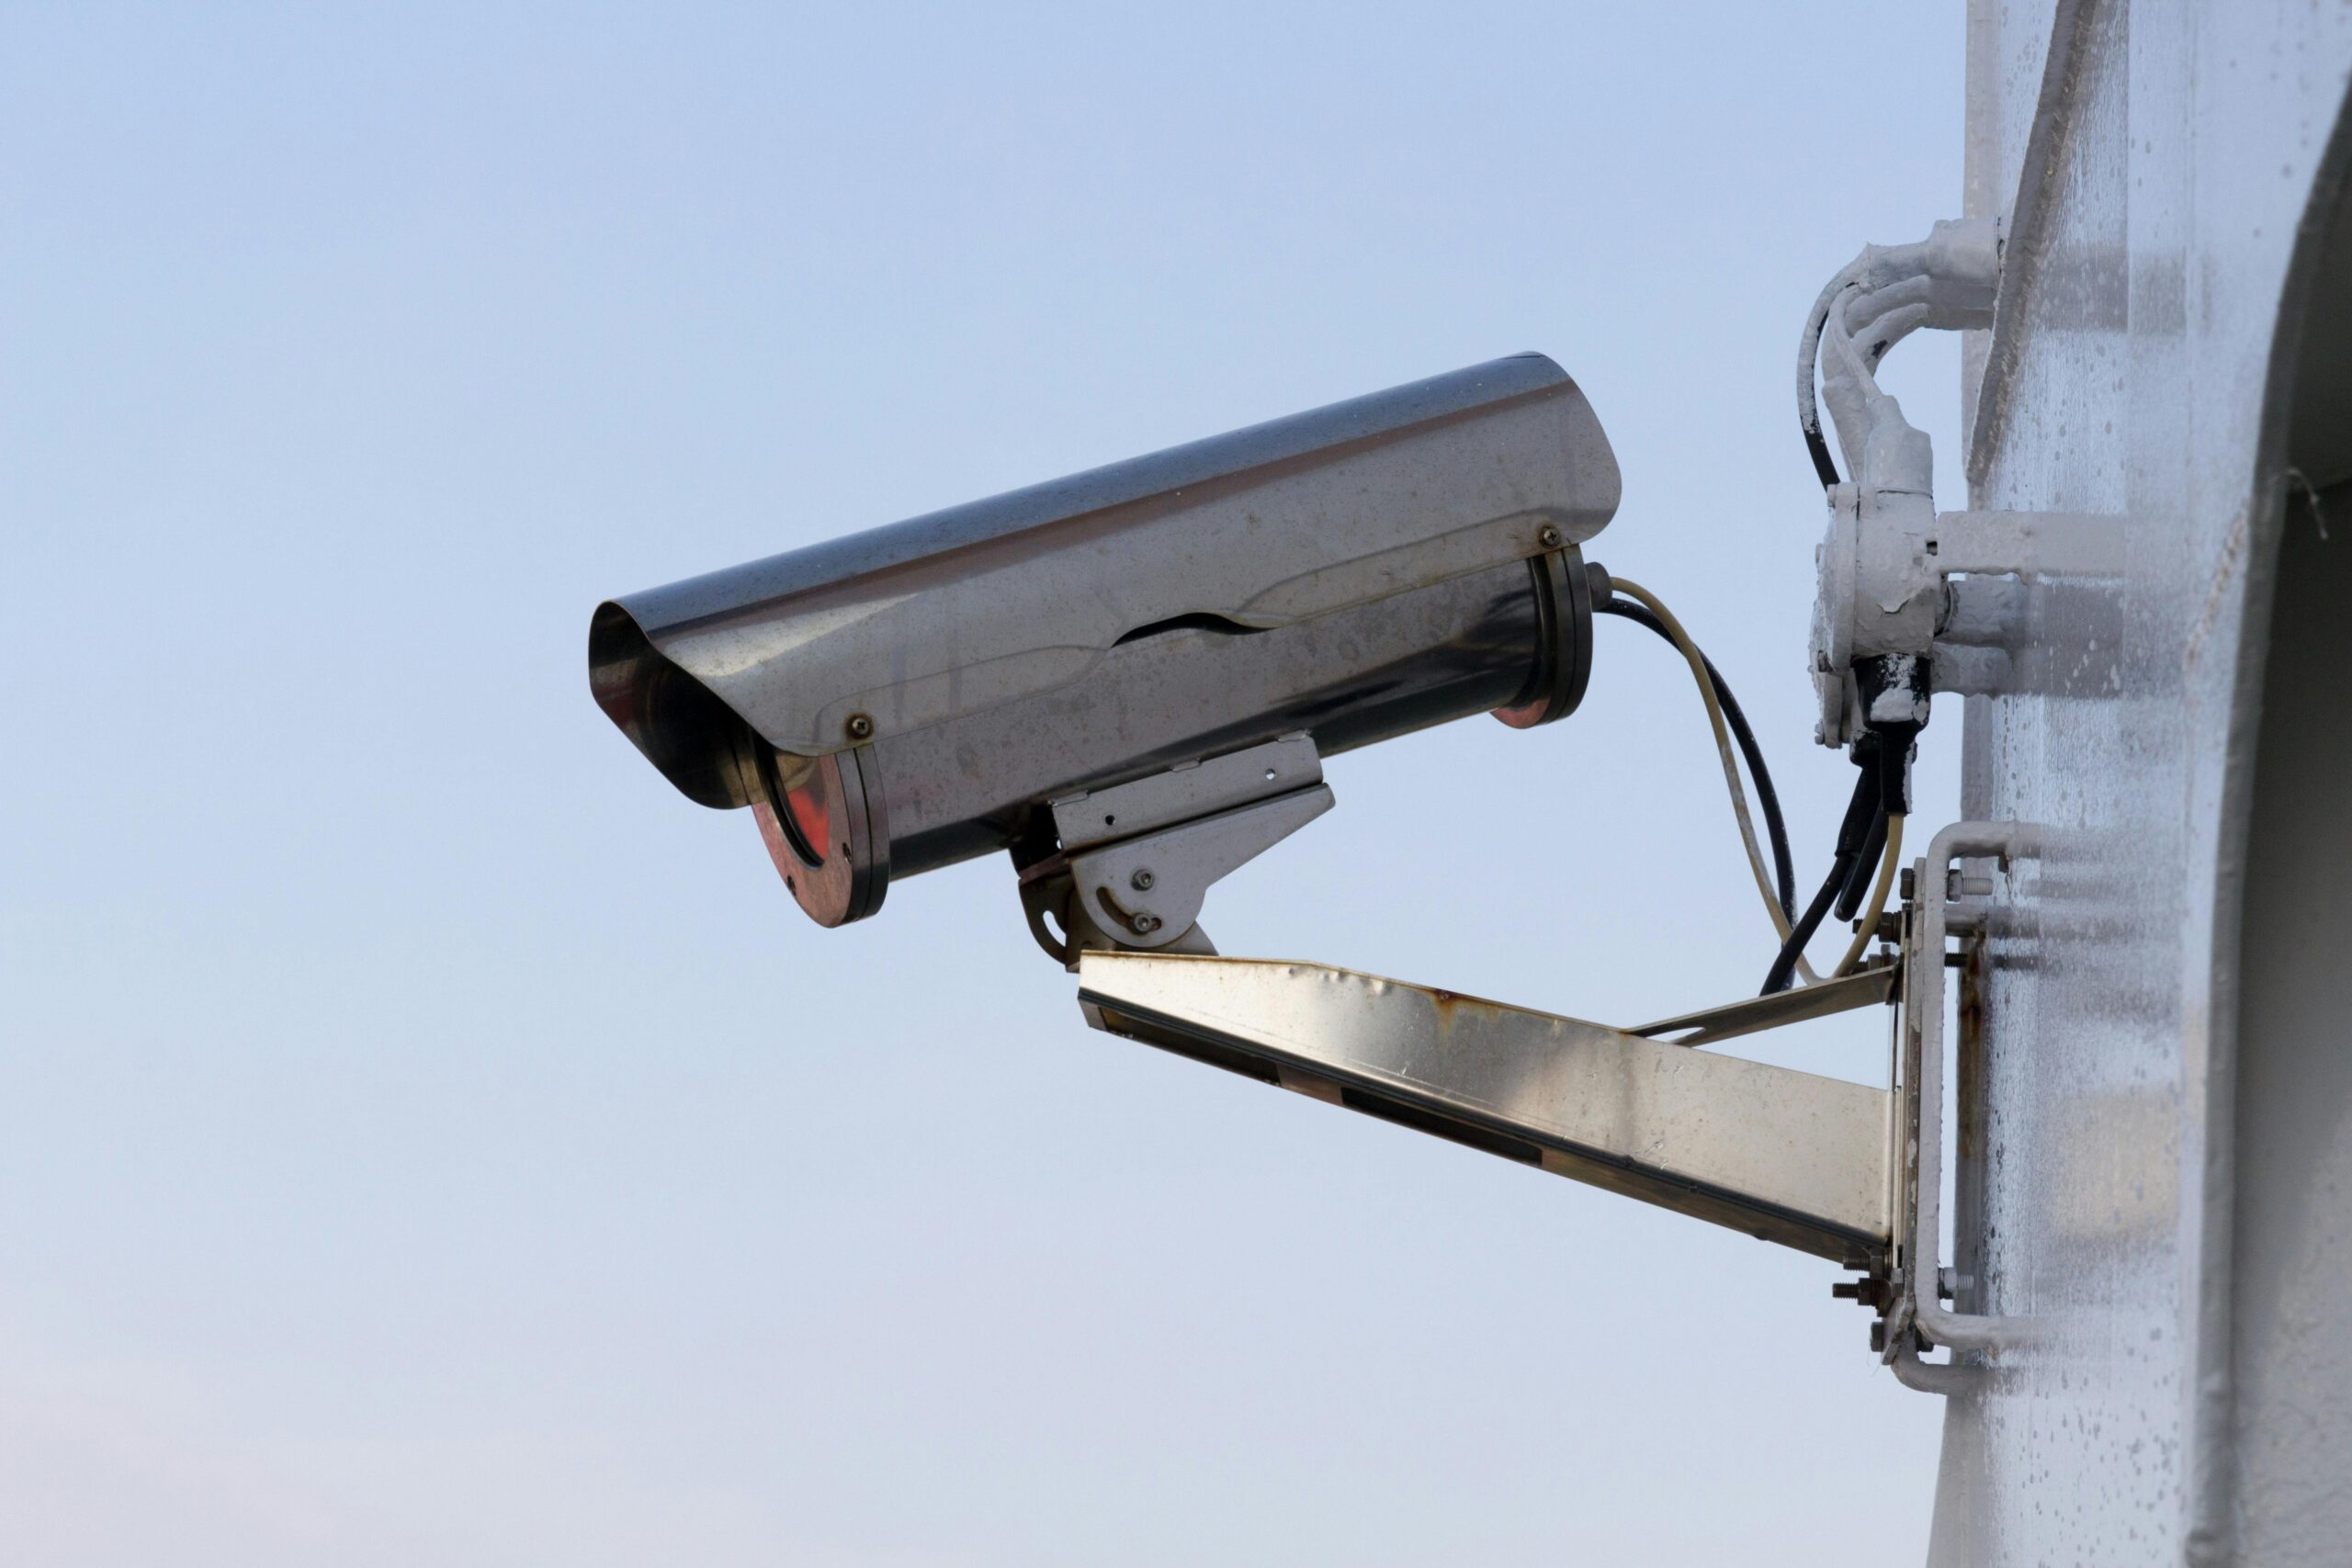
1858,886
1809,422
1860,811
1783,868
1819,448
1784,967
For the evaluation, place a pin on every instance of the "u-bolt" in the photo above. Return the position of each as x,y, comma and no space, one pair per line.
2009,841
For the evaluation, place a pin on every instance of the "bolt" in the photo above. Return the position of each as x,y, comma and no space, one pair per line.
1869,1293
1145,924
1549,538
1906,886
1142,880
860,726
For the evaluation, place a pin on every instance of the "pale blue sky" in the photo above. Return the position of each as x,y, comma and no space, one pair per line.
425,1137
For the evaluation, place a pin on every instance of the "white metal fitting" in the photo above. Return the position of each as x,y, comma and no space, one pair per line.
1888,557
1899,578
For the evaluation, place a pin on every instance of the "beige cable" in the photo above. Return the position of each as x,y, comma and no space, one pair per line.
1732,779
1877,905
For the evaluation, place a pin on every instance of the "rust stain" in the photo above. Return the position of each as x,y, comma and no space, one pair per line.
1451,1001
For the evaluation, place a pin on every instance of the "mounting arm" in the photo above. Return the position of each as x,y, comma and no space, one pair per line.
1787,1156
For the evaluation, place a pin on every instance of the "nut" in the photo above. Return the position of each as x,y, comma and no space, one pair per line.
1145,924
860,726
1142,880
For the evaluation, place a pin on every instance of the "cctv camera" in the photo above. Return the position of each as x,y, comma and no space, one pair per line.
1128,678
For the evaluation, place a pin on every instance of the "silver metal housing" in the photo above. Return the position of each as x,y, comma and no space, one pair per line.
912,696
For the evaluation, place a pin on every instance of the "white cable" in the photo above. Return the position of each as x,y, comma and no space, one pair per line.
1732,779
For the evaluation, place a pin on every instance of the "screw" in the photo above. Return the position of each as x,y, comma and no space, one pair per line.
1549,538
860,726
1145,924
1142,880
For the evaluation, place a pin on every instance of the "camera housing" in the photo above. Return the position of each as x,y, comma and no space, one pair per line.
918,694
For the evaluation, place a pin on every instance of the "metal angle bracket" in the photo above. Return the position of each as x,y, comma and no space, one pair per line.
1787,1156
1137,861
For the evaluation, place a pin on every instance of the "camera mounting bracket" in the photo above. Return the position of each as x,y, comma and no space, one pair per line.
1846,1171
1787,1156
1136,860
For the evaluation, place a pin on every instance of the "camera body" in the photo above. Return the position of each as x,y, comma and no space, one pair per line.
921,693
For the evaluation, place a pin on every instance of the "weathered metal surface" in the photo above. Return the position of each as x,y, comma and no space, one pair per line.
2155,171
1787,1156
